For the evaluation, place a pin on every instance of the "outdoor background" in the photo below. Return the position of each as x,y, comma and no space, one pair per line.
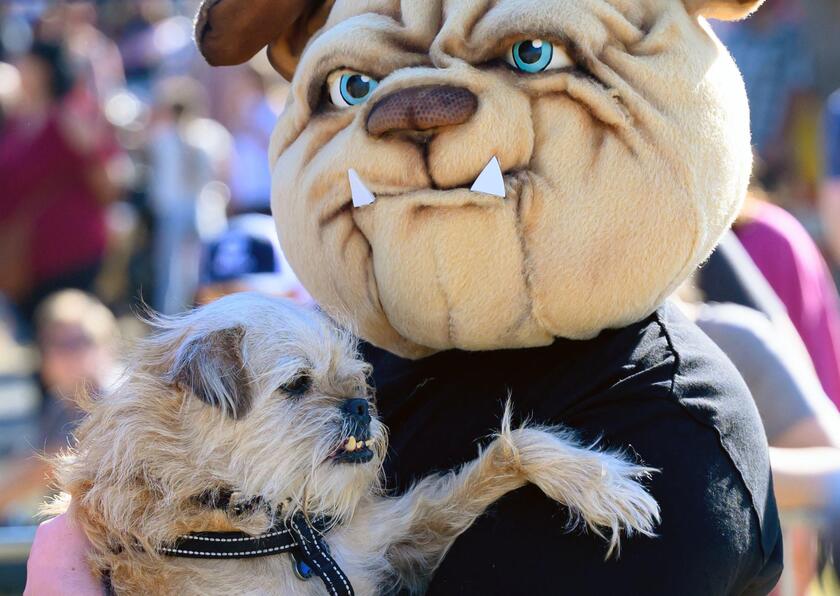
124,159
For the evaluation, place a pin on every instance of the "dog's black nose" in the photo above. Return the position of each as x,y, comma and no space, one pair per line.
358,410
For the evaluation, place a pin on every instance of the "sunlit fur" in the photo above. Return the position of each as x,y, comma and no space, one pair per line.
150,447
621,173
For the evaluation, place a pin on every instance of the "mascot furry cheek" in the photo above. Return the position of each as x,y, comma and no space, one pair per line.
620,128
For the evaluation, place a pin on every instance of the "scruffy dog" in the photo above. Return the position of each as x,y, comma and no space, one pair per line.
251,415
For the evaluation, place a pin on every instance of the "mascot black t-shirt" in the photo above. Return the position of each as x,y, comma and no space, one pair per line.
659,389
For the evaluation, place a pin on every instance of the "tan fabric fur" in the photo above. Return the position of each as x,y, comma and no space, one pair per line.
621,173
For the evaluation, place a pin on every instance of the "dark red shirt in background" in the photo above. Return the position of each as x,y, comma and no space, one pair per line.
44,180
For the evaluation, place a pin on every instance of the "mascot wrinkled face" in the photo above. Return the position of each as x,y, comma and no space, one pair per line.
620,129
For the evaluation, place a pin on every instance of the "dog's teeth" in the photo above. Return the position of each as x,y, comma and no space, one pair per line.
361,195
351,444
490,181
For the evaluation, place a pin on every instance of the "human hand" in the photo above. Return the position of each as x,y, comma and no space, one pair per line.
57,564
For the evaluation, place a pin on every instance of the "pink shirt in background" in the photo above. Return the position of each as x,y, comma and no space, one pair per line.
787,256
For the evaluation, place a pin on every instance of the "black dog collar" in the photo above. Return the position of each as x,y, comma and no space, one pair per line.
297,536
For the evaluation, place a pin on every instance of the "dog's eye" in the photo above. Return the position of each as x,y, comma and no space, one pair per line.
537,55
349,88
297,386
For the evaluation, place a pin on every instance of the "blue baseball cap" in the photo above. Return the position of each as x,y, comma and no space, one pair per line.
249,253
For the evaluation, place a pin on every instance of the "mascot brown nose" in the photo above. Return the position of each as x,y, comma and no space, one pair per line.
421,109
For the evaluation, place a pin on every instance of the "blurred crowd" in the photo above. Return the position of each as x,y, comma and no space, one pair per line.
133,176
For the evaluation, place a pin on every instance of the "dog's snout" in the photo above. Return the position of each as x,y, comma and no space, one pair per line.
358,410
421,109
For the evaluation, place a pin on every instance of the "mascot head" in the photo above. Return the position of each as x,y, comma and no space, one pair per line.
483,174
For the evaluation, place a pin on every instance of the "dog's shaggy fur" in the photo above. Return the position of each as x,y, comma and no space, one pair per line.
207,406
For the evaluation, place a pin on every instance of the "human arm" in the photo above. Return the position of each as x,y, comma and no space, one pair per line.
805,460
807,478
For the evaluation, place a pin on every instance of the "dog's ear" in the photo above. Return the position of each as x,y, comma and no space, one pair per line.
212,367
725,10
231,32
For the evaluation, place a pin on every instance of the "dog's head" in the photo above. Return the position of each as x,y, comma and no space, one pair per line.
621,132
251,395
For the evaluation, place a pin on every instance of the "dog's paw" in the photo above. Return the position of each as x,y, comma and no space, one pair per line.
620,503
603,490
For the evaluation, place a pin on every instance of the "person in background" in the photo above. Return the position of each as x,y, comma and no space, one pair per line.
9,89
731,276
794,267
57,176
830,192
180,167
247,257
76,336
96,57
20,395
772,53
251,127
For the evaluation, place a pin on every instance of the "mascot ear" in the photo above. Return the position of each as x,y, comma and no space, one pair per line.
231,32
724,10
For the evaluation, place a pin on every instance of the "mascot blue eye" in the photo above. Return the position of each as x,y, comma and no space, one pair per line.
349,88
532,55
537,55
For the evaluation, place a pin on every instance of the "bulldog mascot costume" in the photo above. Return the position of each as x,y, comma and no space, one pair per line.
498,196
